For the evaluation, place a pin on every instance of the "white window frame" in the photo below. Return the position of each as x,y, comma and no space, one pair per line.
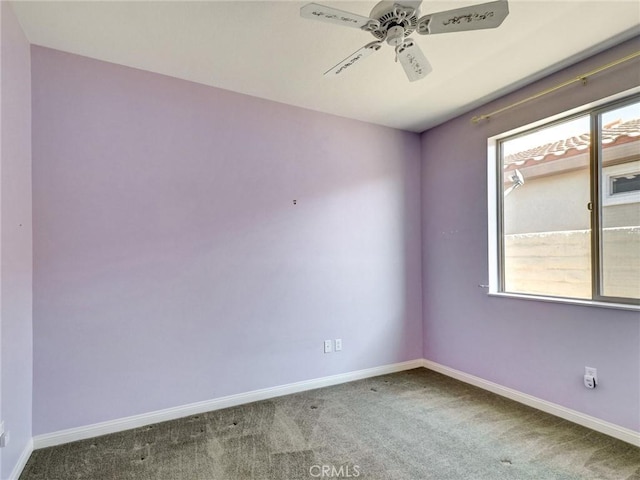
494,189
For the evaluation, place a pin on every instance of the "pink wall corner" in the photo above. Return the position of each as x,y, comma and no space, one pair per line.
15,239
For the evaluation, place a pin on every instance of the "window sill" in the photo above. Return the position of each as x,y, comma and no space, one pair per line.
569,301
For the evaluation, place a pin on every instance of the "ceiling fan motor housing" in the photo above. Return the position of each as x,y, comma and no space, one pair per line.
386,16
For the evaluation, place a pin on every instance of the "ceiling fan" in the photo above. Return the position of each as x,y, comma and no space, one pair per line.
395,21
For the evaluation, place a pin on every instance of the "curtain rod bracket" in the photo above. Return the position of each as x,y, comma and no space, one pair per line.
580,78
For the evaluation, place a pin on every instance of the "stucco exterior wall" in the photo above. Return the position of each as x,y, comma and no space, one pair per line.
549,204
558,263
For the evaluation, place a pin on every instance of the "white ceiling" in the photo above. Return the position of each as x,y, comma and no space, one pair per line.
266,50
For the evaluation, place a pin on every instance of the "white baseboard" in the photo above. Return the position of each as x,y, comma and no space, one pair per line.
135,421
22,461
588,421
112,426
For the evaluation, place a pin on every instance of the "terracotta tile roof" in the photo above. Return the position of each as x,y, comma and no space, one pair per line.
614,133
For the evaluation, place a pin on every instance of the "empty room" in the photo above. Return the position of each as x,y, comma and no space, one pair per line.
345,239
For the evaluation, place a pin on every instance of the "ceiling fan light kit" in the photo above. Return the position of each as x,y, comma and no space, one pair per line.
393,22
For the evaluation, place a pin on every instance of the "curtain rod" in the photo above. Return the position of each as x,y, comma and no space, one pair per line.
580,78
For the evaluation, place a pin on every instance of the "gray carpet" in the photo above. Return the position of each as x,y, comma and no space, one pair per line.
413,425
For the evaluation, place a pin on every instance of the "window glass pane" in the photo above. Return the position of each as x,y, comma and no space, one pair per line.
546,223
620,200
629,183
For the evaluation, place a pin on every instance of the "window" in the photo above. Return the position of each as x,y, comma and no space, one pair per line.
621,184
626,184
567,203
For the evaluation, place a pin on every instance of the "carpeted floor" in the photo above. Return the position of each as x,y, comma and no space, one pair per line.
413,425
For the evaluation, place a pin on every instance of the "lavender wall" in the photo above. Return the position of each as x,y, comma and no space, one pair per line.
171,265
15,239
537,348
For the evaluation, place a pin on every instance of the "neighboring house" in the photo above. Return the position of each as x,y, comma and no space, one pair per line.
547,220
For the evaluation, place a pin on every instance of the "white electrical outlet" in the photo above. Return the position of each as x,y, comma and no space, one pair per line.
338,344
4,439
590,377
4,436
589,381
327,346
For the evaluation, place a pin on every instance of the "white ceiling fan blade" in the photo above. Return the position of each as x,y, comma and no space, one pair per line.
353,59
475,17
415,64
333,15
